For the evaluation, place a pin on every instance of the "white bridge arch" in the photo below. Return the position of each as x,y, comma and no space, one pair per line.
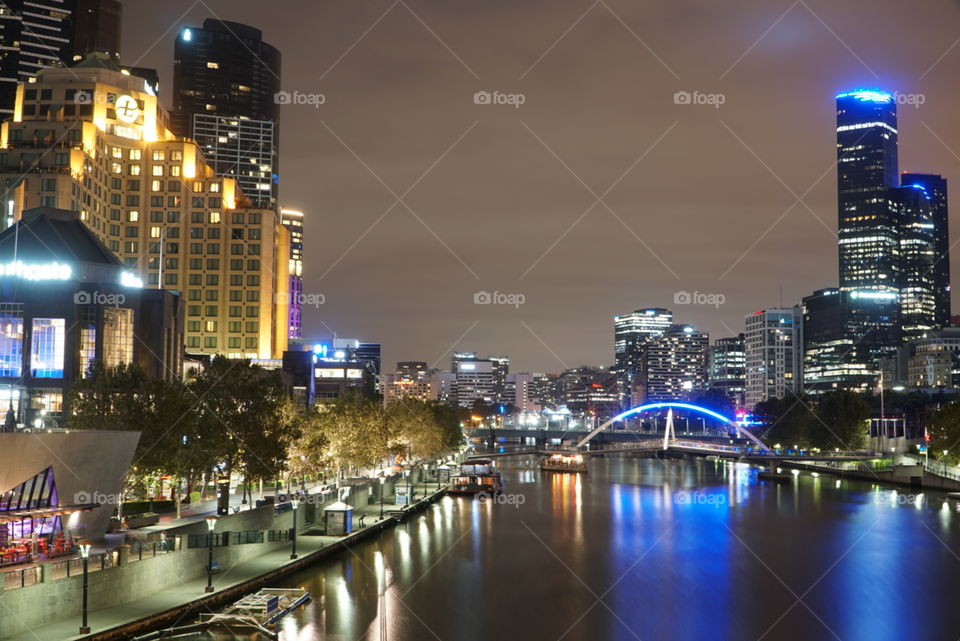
670,406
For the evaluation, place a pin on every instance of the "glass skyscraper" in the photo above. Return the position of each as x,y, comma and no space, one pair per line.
894,269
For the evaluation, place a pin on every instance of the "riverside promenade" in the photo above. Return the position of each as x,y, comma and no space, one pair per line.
264,563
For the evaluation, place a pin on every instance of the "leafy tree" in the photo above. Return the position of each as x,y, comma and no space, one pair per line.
843,421
943,430
789,421
245,416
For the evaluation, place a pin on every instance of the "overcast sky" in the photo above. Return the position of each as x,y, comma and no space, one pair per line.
599,194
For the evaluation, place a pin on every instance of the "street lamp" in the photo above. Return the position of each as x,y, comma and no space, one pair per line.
211,525
85,546
437,472
893,456
406,474
295,501
945,462
383,480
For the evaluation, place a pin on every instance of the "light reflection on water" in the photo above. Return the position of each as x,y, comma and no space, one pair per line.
674,550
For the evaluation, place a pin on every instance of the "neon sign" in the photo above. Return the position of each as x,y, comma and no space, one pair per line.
48,271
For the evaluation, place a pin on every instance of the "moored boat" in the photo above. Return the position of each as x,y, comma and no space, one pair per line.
476,476
564,462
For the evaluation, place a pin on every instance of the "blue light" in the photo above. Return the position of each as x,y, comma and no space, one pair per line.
687,406
867,95
187,35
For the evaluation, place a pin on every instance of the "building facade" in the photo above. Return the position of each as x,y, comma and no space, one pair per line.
674,365
773,353
226,80
152,199
66,303
727,368
631,333
293,221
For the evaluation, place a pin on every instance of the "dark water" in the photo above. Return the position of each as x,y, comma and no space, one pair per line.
651,550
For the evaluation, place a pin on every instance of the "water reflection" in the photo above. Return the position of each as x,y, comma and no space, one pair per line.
650,549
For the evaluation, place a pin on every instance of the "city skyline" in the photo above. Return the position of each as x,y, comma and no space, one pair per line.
622,99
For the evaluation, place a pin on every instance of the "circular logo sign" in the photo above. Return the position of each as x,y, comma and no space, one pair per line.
127,109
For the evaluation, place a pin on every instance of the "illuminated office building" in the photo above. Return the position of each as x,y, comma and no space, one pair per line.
293,221
631,333
225,82
773,354
95,141
892,235
726,368
935,188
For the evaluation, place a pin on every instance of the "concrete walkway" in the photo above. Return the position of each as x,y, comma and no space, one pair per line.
275,555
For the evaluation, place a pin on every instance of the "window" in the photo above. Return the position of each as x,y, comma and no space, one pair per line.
11,339
47,347
117,336
215,217
88,338
134,170
210,326
159,154
176,155
157,170
135,154
133,216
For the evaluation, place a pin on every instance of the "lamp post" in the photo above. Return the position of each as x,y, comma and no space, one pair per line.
406,474
295,501
211,525
437,472
893,456
383,480
945,462
85,546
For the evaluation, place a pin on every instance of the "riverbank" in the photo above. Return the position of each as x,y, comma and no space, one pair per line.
262,564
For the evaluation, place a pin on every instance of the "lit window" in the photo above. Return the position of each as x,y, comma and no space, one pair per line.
117,336
135,154
47,348
158,170
133,216
215,217
213,65
11,339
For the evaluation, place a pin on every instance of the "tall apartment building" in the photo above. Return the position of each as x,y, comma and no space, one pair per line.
94,140
773,351
674,364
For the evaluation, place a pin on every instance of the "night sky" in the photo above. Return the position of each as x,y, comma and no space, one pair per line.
494,197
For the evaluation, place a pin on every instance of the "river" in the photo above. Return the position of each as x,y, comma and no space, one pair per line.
652,550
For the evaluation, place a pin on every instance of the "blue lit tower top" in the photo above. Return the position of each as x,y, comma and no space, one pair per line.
866,169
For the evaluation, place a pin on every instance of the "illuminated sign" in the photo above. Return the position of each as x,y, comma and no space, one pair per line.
48,271
127,108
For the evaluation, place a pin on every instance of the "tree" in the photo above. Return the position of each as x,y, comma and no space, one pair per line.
843,421
943,430
788,421
245,416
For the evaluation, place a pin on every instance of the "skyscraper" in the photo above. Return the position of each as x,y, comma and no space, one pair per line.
34,34
911,207
293,221
726,369
936,190
869,239
631,333
225,79
773,352
97,28
674,364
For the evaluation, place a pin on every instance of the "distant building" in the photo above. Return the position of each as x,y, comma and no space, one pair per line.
501,368
591,391
773,351
631,333
475,381
934,360
226,80
521,392
412,380
727,368
97,28
935,188
293,221
34,35
674,365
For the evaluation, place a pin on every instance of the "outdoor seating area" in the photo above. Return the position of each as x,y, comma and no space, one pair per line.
29,550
